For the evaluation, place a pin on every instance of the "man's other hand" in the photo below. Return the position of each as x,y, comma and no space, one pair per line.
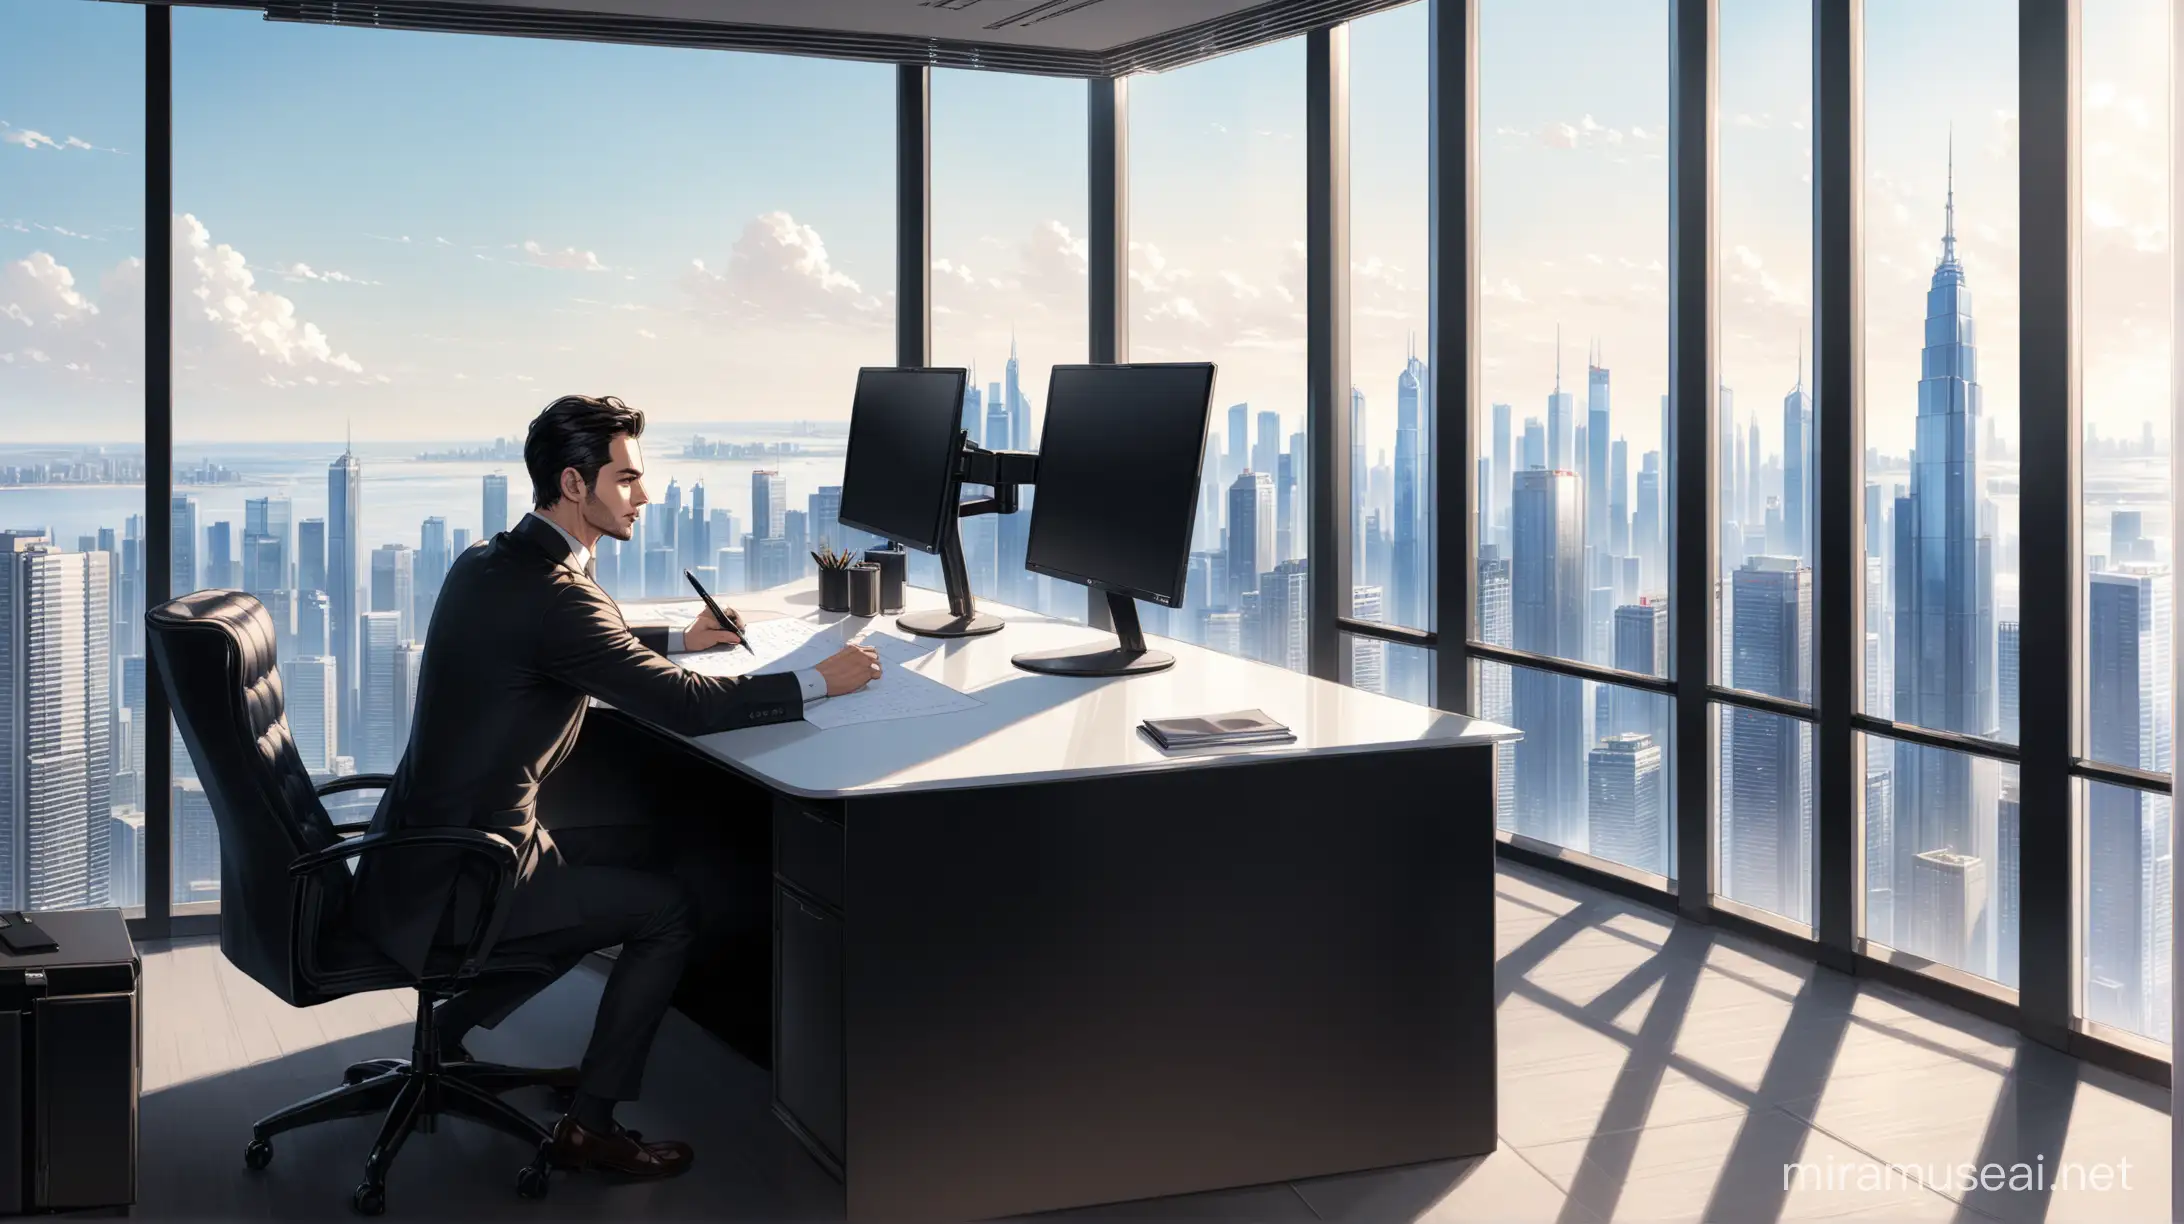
850,669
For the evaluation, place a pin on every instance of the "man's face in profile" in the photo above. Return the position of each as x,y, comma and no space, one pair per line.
615,500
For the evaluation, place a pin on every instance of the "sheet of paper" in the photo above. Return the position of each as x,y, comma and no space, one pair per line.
788,645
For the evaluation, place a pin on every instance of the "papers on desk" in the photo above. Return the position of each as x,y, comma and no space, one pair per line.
791,645
1217,730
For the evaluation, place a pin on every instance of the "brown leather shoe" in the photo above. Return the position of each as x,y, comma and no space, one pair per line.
623,1153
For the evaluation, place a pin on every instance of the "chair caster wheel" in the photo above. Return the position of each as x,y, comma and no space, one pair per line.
258,1155
531,1181
369,1200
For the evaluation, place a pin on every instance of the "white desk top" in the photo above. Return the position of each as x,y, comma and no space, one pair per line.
1036,727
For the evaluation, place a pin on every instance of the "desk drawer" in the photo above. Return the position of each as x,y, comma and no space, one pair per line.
809,1079
808,851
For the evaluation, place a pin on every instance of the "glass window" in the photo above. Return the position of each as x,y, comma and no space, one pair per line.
1595,770
1765,488
1940,372
2126,936
1941,866
1573,244
1217,274
373,301
2124,368
1371,661
1391,426
72,524
1763,792
1008,290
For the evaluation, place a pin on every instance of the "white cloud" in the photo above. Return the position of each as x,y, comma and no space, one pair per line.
305,272
239,313
646,334
779,269
27,138
566,258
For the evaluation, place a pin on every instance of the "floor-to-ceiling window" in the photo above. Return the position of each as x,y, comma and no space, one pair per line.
1008,277
2127,553
1940,475
1390,519
1217,274
72,526
1572,547
1763,614
375,291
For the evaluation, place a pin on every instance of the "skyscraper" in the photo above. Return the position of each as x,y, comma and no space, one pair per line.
1625,806
2006,680
1596,458
494,518
430,571
182,548
1641,645
308,684
1619,499
268,523
1561,418
1731,497
1368,656
1796,446
1239,443
381,632
394,585
56,747
2128,722
1944,617
1645,525
344,507
1495,697
1498,489
311,555
1547,616
219,559
1250,533
1266,449
1534,448
1767,824
769,504
1406,564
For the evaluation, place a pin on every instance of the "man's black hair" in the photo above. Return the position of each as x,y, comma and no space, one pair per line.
575,431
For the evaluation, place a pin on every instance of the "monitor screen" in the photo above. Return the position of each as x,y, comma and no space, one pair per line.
899,475
1118,476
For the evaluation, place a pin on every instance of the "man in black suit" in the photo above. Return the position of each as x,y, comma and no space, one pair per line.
521,636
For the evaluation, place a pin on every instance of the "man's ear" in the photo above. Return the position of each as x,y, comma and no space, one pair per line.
572,485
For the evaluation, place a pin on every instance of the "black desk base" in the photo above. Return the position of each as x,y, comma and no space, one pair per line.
1011,999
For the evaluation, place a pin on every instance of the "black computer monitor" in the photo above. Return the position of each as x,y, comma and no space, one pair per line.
1119,465
899,478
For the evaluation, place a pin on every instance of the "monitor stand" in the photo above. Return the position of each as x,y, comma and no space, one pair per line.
962,619
1128,657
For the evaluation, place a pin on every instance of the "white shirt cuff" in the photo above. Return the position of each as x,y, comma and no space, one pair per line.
674,641
814,684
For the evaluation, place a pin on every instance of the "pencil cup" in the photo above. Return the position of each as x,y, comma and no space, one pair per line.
894,566
864,589
834,590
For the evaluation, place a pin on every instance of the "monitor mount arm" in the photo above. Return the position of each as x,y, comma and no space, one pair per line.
1004,472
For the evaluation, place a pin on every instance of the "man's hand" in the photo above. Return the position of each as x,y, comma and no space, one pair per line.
850,669
705,632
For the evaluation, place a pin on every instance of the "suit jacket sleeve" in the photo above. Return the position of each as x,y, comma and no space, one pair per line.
586,645
654,637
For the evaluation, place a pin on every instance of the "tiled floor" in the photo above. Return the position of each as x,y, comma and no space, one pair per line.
1650,1071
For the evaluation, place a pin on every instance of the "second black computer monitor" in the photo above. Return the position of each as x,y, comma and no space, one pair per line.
1119,466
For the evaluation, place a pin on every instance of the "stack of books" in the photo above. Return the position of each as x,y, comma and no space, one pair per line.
1217,730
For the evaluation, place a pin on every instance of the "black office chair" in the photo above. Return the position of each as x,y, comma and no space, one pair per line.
285,886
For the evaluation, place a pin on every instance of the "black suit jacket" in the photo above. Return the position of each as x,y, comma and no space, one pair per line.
518,640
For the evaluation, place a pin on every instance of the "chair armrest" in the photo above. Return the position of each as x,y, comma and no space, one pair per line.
498,853
350,782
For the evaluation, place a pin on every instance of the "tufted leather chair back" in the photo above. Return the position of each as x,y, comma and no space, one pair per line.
215,653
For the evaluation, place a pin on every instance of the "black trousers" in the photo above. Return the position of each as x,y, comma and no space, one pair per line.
625,888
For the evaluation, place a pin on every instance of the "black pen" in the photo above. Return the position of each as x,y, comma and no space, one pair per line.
735,626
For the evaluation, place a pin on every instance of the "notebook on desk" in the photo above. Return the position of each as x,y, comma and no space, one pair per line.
1217,730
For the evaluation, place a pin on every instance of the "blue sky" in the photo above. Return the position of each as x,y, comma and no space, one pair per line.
711,233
